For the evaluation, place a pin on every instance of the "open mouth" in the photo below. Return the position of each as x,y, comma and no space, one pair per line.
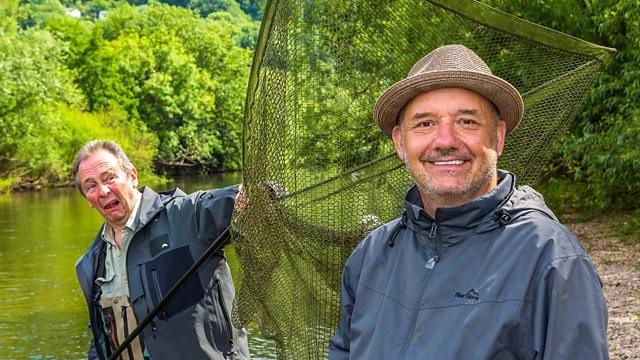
111,204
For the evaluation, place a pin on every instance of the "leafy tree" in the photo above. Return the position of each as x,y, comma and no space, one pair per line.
32,79
41,121
75,34
254,8
603,151
600,152
8,12
184,77
206,7
36,12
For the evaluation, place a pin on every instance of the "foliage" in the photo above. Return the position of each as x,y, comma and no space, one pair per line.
8,12
601,152
163,81
36,12
178,69
33,80
255,8
182,76
76,34
41,121
139,145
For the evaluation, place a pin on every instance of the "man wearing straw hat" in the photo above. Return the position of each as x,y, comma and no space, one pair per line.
476,268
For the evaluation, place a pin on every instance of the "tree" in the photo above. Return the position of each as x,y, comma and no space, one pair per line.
600,152
33,79
182,76
42,122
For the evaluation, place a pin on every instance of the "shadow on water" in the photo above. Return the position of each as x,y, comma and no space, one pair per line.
42,311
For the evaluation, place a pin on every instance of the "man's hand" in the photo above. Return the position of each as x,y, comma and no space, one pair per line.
240,199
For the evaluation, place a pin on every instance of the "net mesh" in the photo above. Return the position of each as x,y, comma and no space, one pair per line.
318,173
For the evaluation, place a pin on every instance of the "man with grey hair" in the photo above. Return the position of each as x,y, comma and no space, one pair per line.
476,268
147,242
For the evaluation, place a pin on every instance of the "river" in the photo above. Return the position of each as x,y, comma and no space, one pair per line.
42,312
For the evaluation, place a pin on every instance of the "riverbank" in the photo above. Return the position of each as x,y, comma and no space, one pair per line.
618,264
162,176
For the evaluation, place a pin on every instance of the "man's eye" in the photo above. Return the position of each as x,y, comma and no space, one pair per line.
468,122
89,188
425,124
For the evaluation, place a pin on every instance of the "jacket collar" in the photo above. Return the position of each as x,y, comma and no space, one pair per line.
151,203
468,215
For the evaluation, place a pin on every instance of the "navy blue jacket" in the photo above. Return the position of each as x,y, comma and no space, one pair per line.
171,231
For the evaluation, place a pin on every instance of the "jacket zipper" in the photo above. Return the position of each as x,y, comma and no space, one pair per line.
414,316
227,318
162,315
433,235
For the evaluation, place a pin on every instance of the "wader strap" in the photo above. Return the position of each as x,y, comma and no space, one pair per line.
120,321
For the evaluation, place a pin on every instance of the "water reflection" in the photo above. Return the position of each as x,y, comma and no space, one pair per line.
42,311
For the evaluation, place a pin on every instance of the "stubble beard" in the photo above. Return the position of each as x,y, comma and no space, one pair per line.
464,192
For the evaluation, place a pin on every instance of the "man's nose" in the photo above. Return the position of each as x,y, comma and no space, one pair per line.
446,137
104,189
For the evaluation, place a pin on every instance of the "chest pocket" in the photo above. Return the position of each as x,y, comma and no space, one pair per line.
164,272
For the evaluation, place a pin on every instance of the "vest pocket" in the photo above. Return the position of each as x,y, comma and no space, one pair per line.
163,272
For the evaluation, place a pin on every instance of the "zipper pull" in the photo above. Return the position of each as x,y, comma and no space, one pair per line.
431,263
432,234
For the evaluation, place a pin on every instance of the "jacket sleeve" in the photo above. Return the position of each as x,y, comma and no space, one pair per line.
569,311
214,211
339,345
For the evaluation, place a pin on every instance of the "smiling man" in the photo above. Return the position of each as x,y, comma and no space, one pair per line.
147,242
476,268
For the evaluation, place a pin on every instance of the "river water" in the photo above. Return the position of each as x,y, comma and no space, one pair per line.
42,312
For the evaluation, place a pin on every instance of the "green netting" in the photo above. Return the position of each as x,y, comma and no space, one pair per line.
318,70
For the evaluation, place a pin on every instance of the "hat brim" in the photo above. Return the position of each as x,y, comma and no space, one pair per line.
502,94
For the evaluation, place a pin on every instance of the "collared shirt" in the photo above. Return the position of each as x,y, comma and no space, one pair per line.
114,283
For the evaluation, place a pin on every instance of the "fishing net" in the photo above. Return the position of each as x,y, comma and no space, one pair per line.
318,173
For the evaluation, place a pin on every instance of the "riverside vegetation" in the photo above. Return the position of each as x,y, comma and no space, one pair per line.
167,79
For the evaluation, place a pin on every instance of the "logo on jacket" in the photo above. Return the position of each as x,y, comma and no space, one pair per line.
471,295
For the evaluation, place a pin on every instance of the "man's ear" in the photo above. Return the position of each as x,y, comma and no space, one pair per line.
133,176
501,133
396,135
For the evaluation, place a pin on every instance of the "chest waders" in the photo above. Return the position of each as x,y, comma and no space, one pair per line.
120,321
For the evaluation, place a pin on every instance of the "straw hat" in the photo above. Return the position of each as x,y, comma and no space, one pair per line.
449,66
